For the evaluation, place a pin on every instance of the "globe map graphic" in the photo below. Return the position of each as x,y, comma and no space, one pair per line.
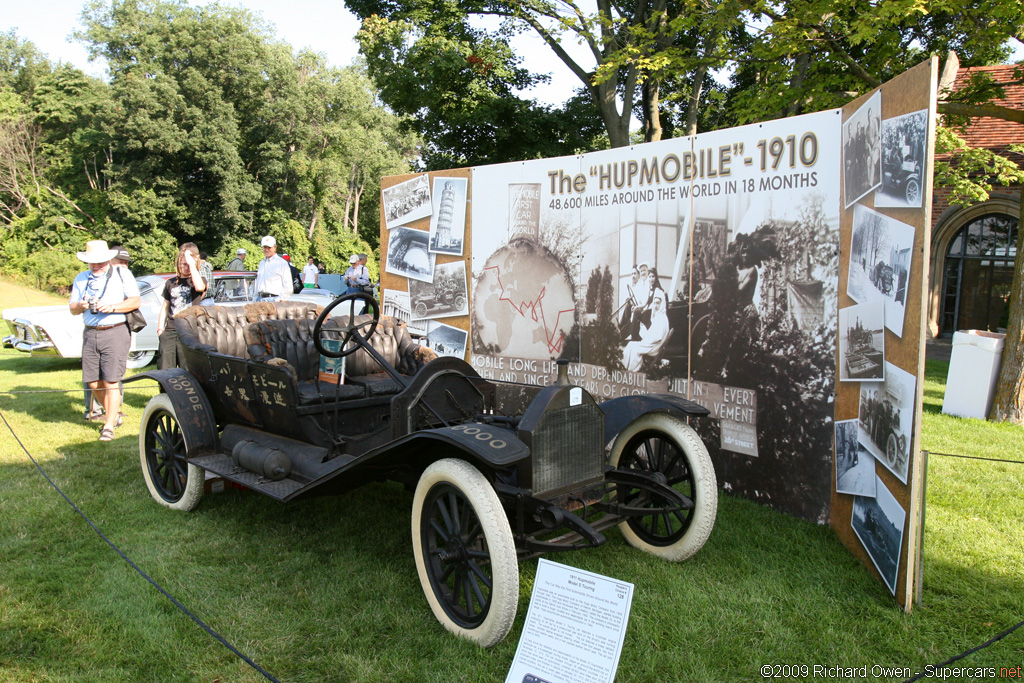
523,303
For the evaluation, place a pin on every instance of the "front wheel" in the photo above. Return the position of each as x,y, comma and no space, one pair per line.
913,192
662,443
465,555
171,480
891,446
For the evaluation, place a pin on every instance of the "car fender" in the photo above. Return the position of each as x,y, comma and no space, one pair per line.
63,329
191,407
620,412
493,446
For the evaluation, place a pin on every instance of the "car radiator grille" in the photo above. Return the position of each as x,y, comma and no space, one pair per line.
568,449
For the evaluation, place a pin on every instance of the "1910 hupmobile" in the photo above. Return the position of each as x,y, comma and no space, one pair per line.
499,472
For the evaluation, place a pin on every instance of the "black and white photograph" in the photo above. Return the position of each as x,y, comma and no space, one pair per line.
880,254
862,150
903,150
448,220
862,342
445,340
855,467
395,303
886,419
406,202
444,297
409,256
879,523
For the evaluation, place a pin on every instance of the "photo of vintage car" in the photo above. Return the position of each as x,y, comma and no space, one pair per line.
500,472
53,331
901,177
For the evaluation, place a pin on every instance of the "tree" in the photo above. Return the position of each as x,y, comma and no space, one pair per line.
807,56
344,144
456,88
1008,402
189,84
219,132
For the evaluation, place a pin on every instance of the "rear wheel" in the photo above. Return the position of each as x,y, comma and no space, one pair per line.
465,555
662,443
140,359
171,480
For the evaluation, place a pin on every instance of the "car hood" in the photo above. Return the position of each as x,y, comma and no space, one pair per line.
39,314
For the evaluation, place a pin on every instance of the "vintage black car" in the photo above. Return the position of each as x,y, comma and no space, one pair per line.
901,177
439,302
500,472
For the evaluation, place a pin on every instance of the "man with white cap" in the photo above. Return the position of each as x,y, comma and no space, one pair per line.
274,276
103,301
237,263
357,277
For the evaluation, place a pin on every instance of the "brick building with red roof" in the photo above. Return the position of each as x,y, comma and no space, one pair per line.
973,248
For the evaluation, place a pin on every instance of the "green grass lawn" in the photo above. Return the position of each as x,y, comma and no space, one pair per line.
326,589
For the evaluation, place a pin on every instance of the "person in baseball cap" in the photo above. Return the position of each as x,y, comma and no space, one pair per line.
237,263
357,277
122,257
273,277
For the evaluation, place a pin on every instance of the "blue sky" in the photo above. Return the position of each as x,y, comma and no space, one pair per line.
322,25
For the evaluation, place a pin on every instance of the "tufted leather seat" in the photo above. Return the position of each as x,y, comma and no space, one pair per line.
221,329
281,334
391,340
290,341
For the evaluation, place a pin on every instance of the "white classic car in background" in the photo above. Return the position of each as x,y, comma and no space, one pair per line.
53,331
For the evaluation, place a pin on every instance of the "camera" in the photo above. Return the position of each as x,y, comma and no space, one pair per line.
93,302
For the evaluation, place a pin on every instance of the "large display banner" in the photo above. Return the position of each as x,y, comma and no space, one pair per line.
772,273
705,267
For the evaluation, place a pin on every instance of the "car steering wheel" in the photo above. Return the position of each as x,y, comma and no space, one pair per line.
355,335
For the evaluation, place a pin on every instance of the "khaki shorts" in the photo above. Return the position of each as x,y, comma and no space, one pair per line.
105,353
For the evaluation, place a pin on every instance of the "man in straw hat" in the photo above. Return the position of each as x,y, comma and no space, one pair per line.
103,301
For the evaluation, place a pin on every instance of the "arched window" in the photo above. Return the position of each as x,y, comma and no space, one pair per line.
979,274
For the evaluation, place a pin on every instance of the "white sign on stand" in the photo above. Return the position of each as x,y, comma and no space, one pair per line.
574,629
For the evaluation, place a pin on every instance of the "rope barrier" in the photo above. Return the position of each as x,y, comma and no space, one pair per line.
132,564
17,392
977,457
929,670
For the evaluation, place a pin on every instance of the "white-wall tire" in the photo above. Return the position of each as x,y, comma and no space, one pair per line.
465,555
663,443
172,481
139,359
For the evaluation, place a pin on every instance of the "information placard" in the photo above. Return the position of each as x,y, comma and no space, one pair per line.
574,628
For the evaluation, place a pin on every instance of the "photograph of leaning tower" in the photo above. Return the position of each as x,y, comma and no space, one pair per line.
448,219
